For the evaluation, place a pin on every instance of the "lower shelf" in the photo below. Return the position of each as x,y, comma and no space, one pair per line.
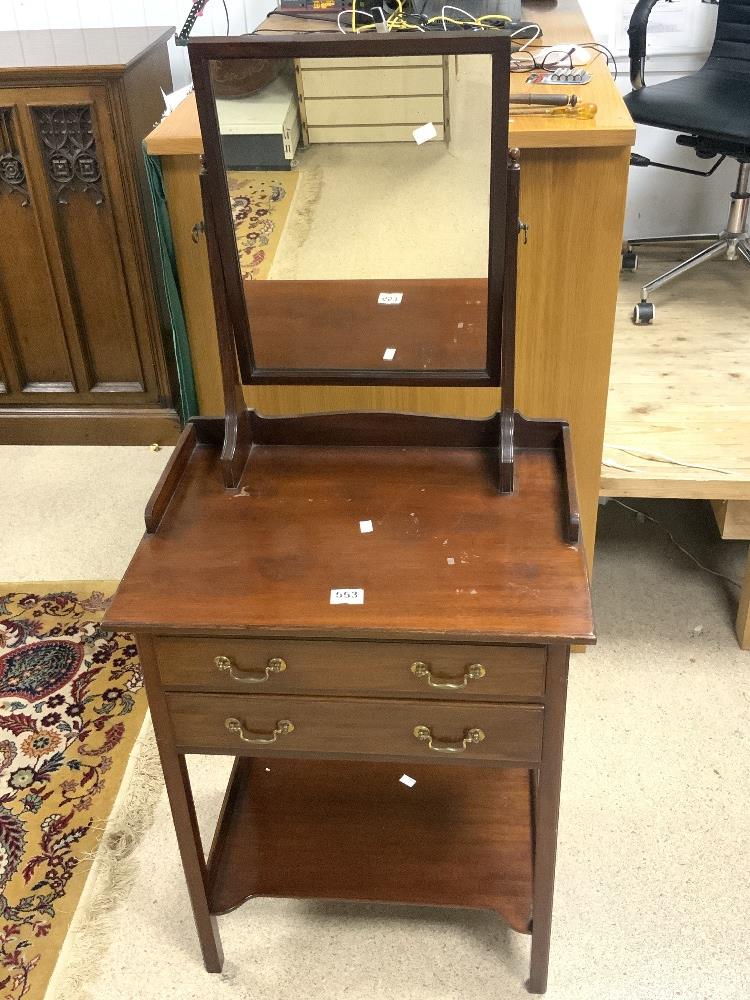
352,831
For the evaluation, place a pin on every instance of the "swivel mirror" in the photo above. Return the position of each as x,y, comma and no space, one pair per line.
359,196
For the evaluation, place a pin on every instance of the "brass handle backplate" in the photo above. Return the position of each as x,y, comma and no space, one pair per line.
283,726
274,666
424,734
472,673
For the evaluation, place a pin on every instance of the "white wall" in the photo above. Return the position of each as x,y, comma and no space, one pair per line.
244,15
661,202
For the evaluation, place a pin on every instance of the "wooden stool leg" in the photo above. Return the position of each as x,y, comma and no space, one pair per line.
180,796
743,614
547,809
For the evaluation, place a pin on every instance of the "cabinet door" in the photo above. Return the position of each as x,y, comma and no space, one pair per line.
34,355
78,316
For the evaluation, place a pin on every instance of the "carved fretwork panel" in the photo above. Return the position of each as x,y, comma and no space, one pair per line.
70,154
34,355
12,170
79,168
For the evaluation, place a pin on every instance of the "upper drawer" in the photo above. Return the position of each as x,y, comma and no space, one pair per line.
386,82
367,62
294,666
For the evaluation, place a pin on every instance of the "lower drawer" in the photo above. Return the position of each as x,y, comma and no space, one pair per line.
355,727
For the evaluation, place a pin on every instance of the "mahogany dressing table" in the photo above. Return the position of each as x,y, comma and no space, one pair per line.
335,600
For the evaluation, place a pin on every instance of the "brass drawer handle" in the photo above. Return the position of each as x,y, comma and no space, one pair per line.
274,666
283,726
472,673
424,733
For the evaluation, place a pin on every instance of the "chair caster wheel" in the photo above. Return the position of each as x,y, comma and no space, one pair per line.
644,313
629,260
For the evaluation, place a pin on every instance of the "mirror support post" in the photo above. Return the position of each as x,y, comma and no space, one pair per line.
506,443
237,423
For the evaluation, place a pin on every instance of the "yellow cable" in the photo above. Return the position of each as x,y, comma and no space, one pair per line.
452,20
397,21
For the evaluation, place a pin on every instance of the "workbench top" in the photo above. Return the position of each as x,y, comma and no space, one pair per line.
179,133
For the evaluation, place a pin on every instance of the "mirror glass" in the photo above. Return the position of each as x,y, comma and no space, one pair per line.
359,191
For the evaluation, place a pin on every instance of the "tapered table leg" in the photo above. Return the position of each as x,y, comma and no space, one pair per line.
180,796
547,810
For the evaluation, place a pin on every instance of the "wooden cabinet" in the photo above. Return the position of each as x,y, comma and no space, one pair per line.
83,333
452,675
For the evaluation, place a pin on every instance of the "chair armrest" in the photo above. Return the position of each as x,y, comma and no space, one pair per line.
637,31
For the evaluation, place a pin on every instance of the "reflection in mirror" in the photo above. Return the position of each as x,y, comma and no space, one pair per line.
359,191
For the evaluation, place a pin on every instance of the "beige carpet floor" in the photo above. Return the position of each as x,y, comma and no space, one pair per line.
654,838
72,513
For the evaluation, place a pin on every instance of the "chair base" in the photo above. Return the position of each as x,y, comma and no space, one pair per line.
733,242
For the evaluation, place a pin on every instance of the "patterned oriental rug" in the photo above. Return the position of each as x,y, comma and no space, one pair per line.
260,207
71,706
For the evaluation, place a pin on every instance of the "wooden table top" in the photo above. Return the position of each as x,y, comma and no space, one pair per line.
448,558
179,133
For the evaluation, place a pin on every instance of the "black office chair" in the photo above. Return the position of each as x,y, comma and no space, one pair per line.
712,109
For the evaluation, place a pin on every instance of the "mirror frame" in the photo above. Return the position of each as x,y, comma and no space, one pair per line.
216,201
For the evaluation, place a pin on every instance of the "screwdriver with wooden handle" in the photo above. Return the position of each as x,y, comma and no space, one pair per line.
578,110
545,100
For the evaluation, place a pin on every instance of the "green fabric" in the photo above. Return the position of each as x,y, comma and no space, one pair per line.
188,399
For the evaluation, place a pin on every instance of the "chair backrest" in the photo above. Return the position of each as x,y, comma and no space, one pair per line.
731,49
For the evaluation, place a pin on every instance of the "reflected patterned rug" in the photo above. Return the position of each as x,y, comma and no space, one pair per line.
260,208
71,706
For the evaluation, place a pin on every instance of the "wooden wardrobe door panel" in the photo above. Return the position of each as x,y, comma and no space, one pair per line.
73,139
85,355
34,350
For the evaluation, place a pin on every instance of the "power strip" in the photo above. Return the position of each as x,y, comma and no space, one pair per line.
570,77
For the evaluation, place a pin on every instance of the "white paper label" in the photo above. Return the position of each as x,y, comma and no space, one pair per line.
390,298
365,527
406,780
424,133
389,354
343,595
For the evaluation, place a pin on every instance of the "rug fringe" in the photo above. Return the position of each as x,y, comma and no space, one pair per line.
112,872
299,222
